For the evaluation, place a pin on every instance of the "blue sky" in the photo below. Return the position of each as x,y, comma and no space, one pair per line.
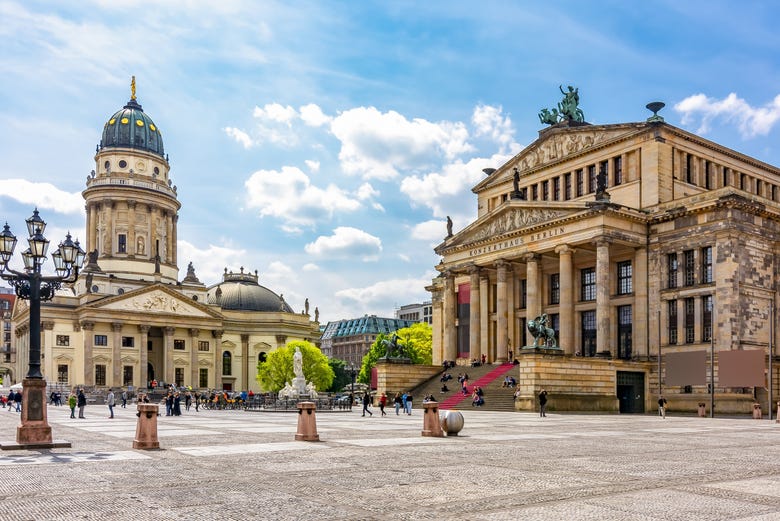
324,143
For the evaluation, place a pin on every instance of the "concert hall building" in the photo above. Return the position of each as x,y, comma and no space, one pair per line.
633,239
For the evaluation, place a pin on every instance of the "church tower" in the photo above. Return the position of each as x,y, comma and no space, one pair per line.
131,204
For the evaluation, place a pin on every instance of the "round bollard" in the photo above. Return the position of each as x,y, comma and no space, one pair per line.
146,427
451,422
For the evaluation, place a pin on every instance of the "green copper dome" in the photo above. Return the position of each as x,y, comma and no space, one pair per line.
130,127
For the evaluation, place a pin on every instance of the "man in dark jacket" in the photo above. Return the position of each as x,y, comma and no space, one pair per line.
81,402
366,403
543,403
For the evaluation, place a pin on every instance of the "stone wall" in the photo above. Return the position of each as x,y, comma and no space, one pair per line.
393,377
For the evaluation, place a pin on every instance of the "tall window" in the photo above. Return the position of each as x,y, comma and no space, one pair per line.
707,175
689,168
624,273
588,333
227,363
534,192
591,179
100,375
725,176
555,324
545,190
523,293
121,243
203,377
706,318
671,270
689,267
580,183
706,264
179,376
690,311
624,331
62,373
555,288
203,345
588,284
617,167
671,319
127,375
556,189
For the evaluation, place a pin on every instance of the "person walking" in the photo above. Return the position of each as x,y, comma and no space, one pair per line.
81,402
187,400
397,402
72,404
408,404
18,401
662,407
382,403
543,403
366,403
111,401
124,399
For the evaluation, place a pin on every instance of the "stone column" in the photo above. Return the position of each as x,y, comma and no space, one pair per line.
174,241
144,358
501,312
532,288
438,325
154,214
89,338
484,318
169,239
641,316
566,307
450,307
194,334
92,228
116,354
168,350
602,295
131,245
474,314
244,363
108,233
217,334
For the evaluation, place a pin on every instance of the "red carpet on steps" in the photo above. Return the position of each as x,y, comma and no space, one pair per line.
458,397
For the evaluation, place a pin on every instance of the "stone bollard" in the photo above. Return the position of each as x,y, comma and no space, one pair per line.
777,416
756,411
702,410
431,422
146,427
307,422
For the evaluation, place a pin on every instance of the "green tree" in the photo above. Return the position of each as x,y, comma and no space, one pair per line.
278,367
417,341
341,377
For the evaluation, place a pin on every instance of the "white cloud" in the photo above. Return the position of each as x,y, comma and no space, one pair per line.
378,145
310,266
276,112
313,116
387,293
346,242
489,121
289,195
751,121
278,271
239,135
314,166
209,263
434,230
45,196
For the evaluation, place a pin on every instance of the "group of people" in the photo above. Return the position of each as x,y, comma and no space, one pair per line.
477,397
403,401
509,381
13,401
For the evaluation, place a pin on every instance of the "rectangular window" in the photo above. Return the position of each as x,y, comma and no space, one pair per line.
128,341
100,375
62,374
534,192
591,179
707,175
617,167
101,340
690,311
588,333
121,243
689,168
588,284
759,187
706,264
567,186
555,288
179,376
555,324
690,268
523,293
671,314
706,318
624,331
580,183
203,345
624,272
63,340
556,189
524,193
178,344
671,270
545,190
203,377
127,375
725,176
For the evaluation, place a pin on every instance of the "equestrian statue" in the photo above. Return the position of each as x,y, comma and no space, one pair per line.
540,331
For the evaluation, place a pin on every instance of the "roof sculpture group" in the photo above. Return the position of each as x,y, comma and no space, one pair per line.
567,110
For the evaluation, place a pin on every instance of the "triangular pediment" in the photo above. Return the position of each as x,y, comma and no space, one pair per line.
559,143
156,299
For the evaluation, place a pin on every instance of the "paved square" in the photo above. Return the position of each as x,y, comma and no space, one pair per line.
233,465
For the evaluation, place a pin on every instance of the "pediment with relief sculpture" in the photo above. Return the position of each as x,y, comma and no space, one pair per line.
155,300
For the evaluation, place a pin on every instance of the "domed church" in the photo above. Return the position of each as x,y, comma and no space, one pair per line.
129,320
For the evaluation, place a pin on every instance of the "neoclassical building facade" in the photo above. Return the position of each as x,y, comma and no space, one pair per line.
128,319
632,239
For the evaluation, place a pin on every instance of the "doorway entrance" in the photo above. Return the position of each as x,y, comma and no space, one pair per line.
631,392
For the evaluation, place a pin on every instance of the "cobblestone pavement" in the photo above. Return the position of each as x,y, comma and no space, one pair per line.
233,465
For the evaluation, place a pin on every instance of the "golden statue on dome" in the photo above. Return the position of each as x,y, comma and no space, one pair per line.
132,89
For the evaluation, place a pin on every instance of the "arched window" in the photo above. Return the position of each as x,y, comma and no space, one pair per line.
227,363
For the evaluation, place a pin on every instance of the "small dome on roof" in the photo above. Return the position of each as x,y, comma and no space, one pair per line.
241,292
131,127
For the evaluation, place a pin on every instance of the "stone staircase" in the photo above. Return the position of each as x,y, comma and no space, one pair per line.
489,377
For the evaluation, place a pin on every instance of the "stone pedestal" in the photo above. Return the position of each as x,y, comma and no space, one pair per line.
756,411
431,422
34,432
307,422
146,428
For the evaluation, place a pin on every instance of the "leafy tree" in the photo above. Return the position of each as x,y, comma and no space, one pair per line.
417,341
278,367
342,377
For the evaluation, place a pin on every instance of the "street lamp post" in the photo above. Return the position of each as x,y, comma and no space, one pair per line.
31,285
352,373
